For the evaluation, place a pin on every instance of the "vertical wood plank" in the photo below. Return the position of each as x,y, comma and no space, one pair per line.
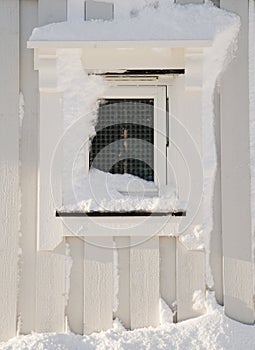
98,284
50,232
216,258
75,10
50,292
237,232
29,162
51,11
9,164
75,305
167,253
123,251
190,278
144,282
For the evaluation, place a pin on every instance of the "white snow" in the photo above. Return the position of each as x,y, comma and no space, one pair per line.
21,108
79,101
213,331
193,238
252,119
114,192
199,300
69,264
199,22
217,58
165,313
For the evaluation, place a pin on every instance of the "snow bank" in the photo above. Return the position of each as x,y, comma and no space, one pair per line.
114,192
212,331
161,22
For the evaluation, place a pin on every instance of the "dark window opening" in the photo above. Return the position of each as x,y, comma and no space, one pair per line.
124,138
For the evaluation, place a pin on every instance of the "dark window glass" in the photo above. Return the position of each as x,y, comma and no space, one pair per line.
124,138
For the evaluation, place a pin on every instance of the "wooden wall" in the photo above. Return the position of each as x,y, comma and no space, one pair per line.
33,285
9,165
235,177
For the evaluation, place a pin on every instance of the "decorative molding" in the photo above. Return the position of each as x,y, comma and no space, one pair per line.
194,68
50,232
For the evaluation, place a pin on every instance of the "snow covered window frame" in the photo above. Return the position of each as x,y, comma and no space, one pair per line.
158,94
177,55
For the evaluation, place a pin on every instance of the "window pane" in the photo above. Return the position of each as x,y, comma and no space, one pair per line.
124,140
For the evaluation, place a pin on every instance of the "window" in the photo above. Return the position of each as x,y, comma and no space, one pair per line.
131,133
125,138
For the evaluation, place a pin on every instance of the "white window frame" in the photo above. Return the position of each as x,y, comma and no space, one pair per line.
159,95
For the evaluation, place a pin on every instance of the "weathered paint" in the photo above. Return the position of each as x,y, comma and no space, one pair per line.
29,163
235,177
9,165
98,284
75,303
50,291
167,256
147,271
144,282
123,310
216,260
190,278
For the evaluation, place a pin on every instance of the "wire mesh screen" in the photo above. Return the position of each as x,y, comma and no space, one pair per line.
124,138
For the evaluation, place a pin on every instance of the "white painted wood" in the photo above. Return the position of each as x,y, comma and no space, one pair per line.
123,250
190,267
236,186
75,305
140,58
9,164
167,254
238,283
75,10
144,282
119,44
216,258
50,158
50,191
98,284
194,69
98,10
51,11
29,161
120,226
50,292
184,152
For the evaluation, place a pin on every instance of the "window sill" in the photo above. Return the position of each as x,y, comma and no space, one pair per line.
120,224
120,213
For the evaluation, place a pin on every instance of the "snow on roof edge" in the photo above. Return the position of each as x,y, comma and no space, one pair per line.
32,44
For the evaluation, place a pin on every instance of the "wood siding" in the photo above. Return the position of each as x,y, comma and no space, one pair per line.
9,165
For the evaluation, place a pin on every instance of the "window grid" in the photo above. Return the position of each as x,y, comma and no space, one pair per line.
124,137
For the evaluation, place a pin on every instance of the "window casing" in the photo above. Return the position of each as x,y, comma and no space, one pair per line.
131,133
